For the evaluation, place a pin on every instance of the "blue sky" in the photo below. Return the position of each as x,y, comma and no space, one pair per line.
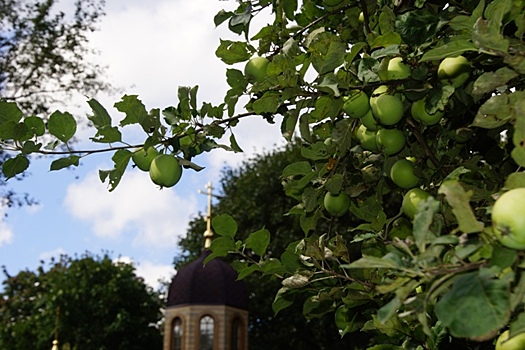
150,49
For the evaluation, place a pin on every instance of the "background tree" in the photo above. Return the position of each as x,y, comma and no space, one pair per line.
368,85
43,53
241,192
99,304
43,62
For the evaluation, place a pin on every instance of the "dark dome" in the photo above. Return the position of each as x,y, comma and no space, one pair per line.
212,284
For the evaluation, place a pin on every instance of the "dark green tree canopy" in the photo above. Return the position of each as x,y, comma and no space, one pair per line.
90,302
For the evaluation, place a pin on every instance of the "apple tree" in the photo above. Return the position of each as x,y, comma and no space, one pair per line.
365,84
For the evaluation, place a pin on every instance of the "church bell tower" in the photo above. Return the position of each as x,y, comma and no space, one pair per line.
207,307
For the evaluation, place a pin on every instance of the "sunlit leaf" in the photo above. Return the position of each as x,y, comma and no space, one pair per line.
224,225
459,200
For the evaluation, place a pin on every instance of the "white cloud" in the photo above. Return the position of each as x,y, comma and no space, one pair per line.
155,217
152,273
161,46
6,231
56,253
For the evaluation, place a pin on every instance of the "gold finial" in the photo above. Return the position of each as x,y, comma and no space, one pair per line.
57,320
208,235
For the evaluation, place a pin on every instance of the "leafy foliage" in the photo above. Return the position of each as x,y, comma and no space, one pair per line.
419,259
76,299
241,192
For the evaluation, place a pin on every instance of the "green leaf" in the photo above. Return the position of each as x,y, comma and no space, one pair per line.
220,247
235,78
290,6
334,57
231,52
258,241
515,180
452,49
225,225
518,326
221,16
288,125
331,84
120,159
107,134
438,98
14,166
483,298
416,27
327,107
247,271
100,117
35,125
268,103
488,37
459,200
65,162
422,222
62,125
183,93
388,310
490,81
495,112
9,111
297,168
30,147
234,145
282,300
13,131
133,108
368,261
518,138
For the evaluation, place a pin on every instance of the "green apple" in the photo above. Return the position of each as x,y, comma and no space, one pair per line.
390,141
336,204
454,71
256,68
402,174
515,343
397,69
367,138
419,113
381,90
165,170
411,201
369,121
508,218
356,104
143,158
388,109
345,320
361,18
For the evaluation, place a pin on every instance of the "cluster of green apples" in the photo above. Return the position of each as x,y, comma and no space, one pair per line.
383,110
164,169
